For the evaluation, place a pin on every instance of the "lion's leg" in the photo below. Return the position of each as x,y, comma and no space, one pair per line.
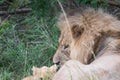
104,68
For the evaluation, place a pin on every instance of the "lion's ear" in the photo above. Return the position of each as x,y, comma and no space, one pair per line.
76,31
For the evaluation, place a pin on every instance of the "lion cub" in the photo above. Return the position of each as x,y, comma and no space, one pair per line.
43,73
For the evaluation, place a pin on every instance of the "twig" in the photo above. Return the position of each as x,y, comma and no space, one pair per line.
18,11
4,19
113,3
64,13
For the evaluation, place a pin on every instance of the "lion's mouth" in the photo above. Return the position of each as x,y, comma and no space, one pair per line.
58,67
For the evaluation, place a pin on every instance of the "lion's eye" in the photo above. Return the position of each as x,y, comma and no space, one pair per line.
65,46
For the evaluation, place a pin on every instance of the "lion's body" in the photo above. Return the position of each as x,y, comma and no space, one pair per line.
92,38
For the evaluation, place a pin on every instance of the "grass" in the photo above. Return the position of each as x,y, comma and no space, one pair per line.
24,44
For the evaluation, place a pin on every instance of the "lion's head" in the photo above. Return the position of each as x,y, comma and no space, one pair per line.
88,33
63,52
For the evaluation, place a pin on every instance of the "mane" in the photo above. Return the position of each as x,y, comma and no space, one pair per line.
92,25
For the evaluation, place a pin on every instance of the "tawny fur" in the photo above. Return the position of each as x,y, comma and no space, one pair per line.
94,40
43,73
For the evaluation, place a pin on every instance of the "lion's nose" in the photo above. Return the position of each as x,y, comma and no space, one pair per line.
56,60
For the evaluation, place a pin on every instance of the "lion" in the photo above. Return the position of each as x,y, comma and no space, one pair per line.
89,46
43,73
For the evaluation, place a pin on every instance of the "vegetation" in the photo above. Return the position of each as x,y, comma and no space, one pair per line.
30,38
